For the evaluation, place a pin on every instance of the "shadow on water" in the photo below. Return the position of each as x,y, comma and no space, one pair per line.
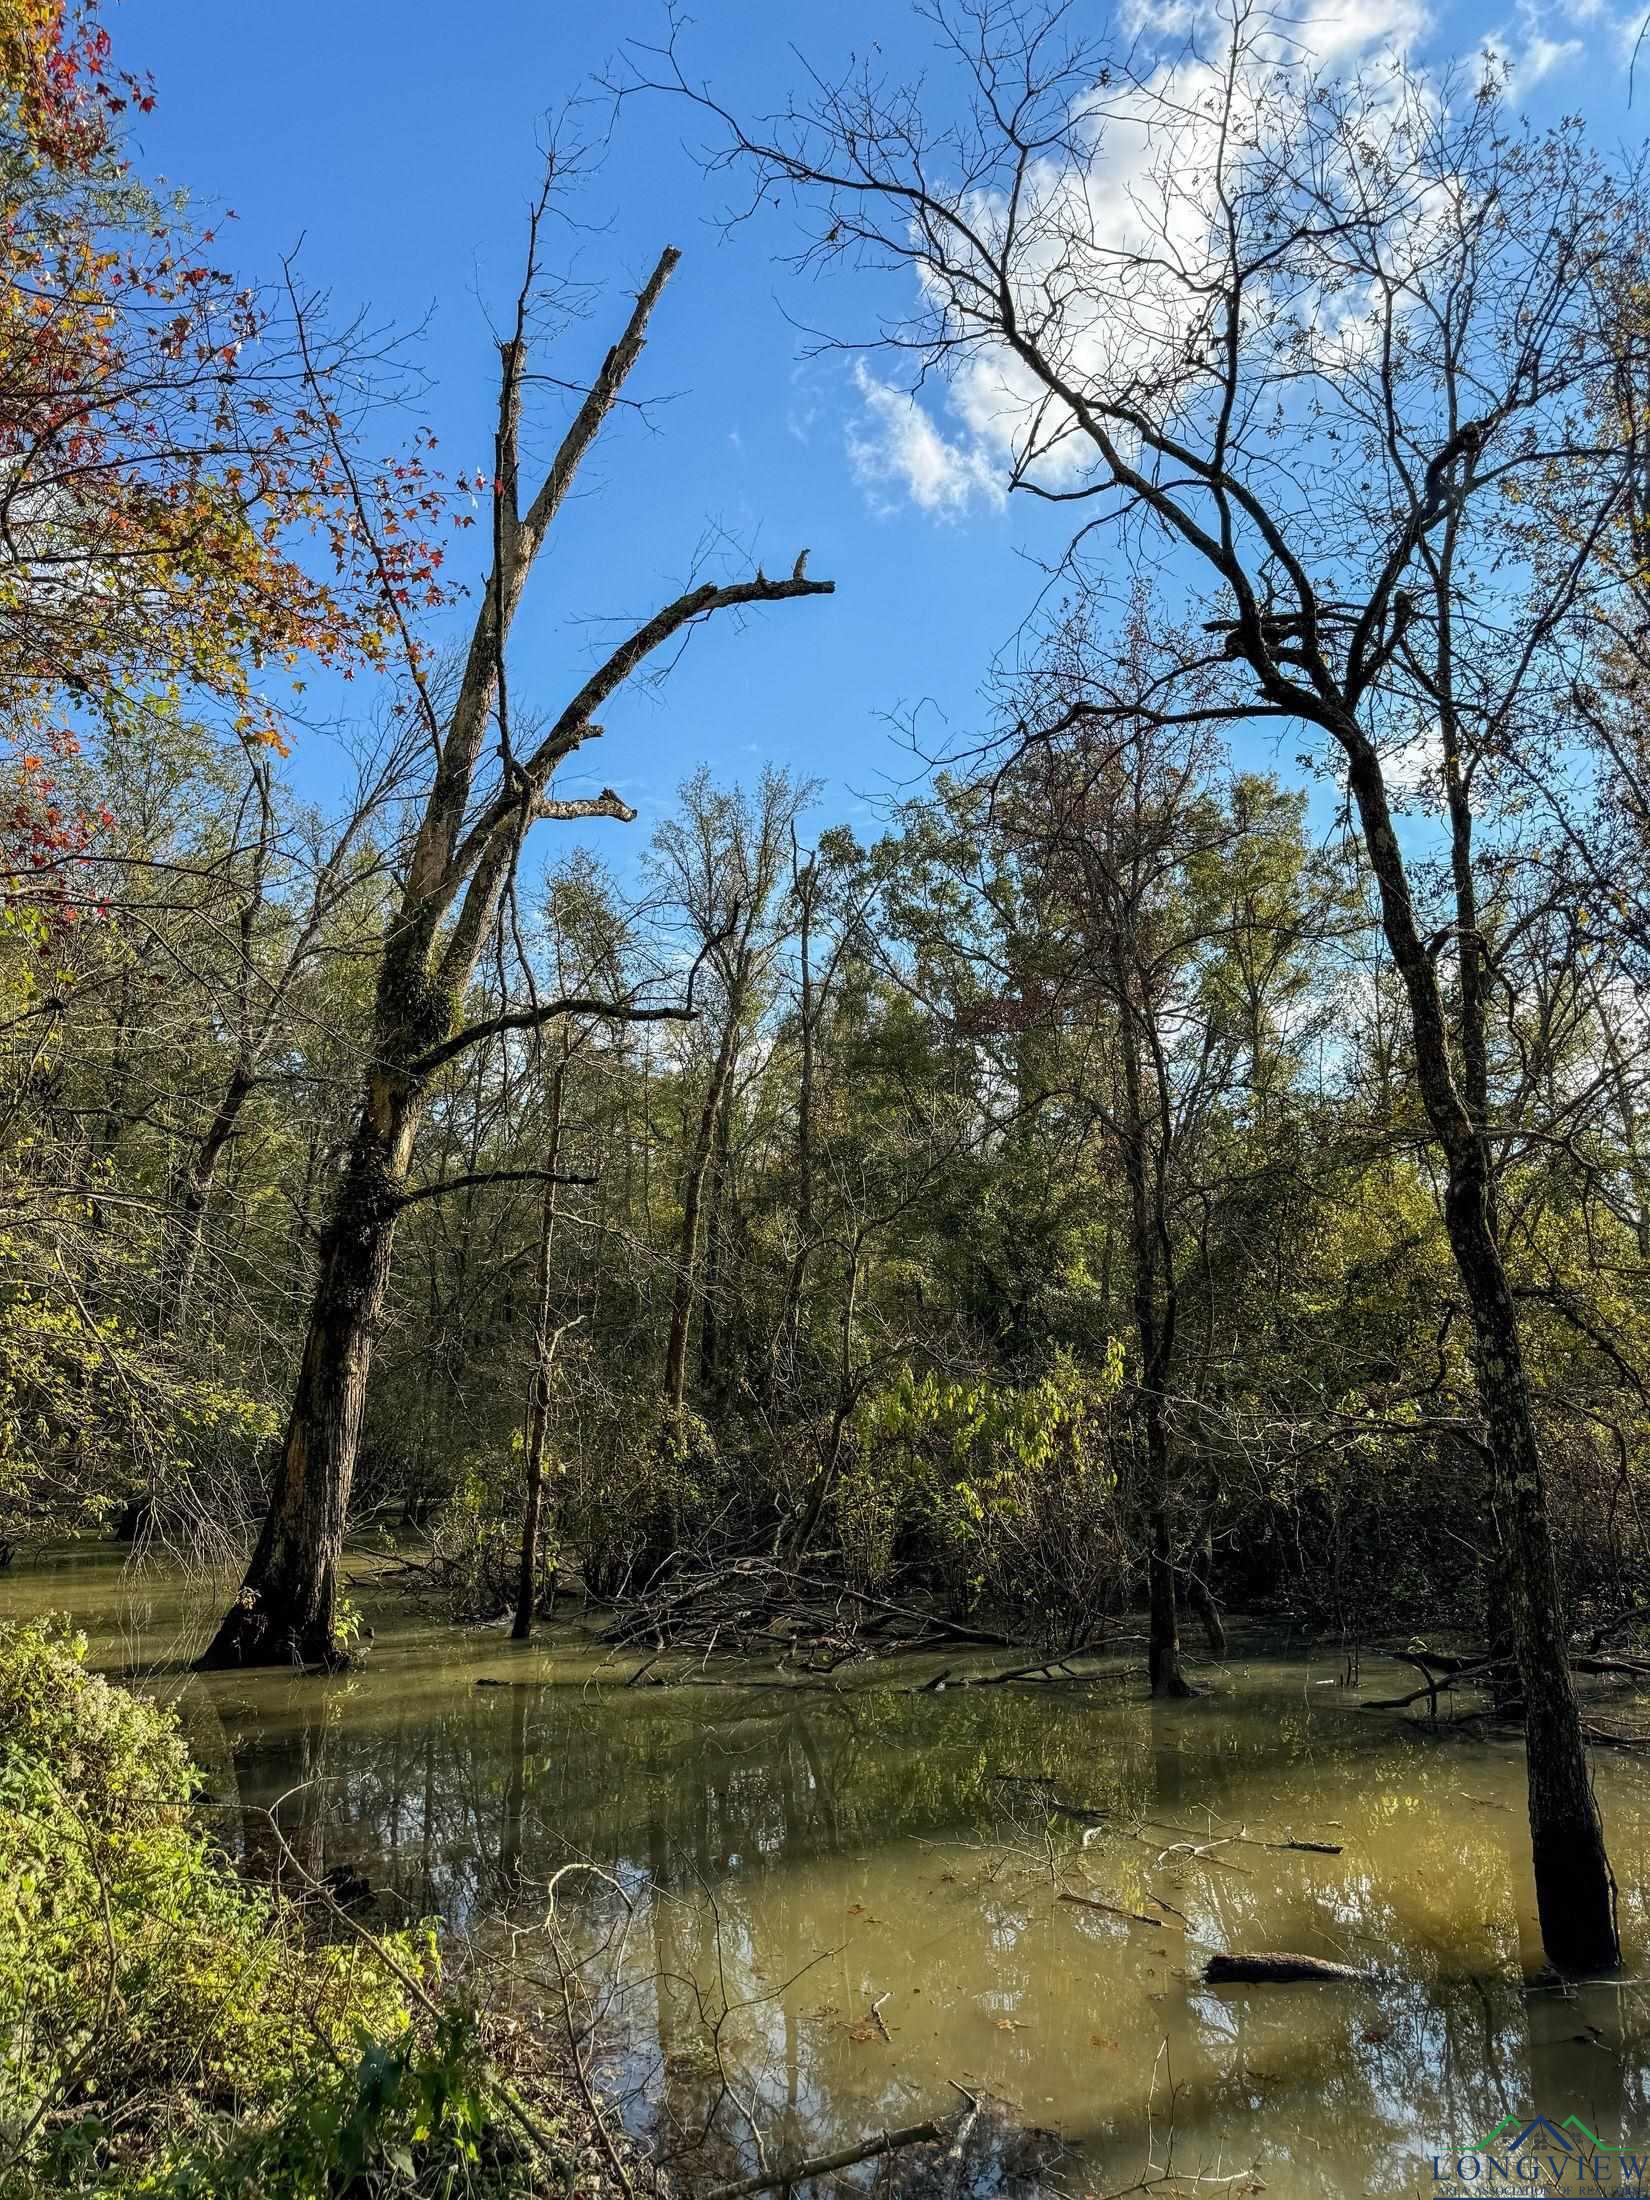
876,1916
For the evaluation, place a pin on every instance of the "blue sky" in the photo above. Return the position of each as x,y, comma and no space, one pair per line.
397,139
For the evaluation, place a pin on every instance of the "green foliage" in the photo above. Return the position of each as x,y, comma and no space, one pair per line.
1003,1493
78,1389
169,2029
408,2117
476,1537
652,1480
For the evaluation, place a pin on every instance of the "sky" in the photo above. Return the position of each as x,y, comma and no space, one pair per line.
395,144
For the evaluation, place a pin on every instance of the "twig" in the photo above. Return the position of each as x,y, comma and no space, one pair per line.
1093,1902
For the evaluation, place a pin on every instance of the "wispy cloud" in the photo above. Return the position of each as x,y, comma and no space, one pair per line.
1528,49
895,447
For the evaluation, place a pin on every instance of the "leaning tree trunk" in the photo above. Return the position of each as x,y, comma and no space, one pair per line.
1575,1889
195,1193
1201,1596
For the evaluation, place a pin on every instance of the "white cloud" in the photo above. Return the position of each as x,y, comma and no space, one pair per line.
1123,228
1131,227
895,445
1526,48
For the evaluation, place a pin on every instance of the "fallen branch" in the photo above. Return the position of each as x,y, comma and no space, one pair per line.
797,2173
1093,1902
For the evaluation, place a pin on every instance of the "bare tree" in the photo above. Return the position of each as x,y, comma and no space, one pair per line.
1324,339
462,863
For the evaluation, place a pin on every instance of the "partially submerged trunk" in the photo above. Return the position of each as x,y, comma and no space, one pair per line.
287,1608
1163,1648
1152,1260
1274,1968
1575,1889
1574,1886
1201,1597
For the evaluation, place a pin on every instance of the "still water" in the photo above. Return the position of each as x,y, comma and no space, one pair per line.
862,1885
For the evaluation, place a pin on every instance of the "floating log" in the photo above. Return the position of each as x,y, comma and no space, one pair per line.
1275,1970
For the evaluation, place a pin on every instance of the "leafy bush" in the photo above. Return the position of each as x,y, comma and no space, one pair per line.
167,2028
653,1484
994,1493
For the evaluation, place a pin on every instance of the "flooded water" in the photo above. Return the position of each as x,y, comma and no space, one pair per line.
827,1911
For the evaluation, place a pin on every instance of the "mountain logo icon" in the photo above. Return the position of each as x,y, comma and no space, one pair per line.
1512,2136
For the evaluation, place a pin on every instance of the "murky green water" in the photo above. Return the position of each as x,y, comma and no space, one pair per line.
884,1916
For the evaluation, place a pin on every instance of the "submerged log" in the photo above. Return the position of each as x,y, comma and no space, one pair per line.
1272,1969
802,2173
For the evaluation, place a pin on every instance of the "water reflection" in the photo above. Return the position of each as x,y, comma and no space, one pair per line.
841,1900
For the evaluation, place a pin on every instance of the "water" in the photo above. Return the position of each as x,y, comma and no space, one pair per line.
877,1917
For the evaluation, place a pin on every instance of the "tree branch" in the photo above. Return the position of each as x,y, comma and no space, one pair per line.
487,1176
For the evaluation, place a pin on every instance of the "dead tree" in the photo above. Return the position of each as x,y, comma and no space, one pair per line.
463,858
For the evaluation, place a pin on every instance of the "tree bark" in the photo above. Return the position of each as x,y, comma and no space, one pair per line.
189,1227
1201,1597
545,1339
1163,1650
714,1344
693,1190
1154,1332
788,1335
287,1609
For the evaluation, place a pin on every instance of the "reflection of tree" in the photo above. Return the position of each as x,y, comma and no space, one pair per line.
515,1798
281,1767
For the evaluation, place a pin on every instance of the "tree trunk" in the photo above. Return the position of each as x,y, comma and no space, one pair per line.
287,1609
544,1363
1574,1887
714,1340
189,1224
1152,1258
1163,1647
788,1336
1201,1597
693,1191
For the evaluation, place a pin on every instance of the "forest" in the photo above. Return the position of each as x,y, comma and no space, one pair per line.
872,1332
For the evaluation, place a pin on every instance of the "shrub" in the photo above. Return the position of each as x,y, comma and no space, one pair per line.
164,2026
993,1493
